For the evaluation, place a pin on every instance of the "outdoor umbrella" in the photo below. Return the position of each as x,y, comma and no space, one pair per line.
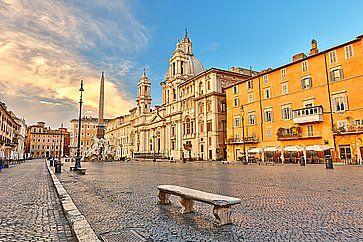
282,156
359,155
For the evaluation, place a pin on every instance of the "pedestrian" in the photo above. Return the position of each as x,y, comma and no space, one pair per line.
1,163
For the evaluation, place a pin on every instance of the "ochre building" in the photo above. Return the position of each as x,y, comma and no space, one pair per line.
314,100
43,142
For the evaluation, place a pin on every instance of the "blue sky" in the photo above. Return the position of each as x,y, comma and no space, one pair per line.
46,46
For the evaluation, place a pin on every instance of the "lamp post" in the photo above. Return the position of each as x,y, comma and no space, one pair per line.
244,160
78,157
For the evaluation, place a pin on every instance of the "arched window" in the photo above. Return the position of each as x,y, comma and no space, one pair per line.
201,88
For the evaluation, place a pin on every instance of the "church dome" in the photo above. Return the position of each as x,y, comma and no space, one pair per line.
195,66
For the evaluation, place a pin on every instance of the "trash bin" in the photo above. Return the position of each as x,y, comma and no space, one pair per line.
328,162
57,167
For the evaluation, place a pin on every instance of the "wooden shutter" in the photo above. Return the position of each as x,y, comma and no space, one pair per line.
332,76
341,74
302,84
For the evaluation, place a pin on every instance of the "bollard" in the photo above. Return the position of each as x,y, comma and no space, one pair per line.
57,167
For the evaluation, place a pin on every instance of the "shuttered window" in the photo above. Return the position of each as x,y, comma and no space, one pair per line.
340,103
336,74
306,83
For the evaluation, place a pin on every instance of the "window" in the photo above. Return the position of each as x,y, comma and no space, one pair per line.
250,97
332,57
310,130
173,68
349,51
209,126
201,127
182,67
251,118
286,112
172,145
236,121
208,85
284,88
306,83
267,93
235,89
336,74
283,73
268,115
265,79
304,66
209,106
235,102
249,84
200,88
201,107
223,106
342,124
340,103
268,133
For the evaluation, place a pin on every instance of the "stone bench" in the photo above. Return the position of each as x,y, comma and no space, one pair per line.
222,204
79,170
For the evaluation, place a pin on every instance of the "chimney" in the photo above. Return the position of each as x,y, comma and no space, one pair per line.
299,56
314,47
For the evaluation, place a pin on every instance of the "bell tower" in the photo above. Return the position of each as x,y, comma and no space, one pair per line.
143,94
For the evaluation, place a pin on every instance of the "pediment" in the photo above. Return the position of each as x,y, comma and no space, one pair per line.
157,118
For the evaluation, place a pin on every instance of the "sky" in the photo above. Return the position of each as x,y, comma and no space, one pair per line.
48,46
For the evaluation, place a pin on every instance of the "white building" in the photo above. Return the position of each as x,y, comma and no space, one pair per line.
190,123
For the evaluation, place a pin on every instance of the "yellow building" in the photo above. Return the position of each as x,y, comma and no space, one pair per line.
314,100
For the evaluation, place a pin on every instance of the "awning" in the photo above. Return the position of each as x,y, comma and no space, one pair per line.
270,149
255,150
293,148
318,147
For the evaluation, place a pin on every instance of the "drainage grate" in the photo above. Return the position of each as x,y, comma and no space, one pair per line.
127,235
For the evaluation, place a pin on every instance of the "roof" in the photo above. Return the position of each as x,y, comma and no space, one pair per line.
270,70
213,69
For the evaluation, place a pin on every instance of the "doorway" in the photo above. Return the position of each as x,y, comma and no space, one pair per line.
345,154
237,154
210,154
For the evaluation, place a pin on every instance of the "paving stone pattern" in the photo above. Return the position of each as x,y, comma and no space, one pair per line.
279,203
29,206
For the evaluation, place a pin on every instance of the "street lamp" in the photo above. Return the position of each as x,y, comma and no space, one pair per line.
78,157
244,160
154,159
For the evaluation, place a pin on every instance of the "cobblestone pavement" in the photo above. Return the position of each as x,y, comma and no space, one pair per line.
29,206
279,203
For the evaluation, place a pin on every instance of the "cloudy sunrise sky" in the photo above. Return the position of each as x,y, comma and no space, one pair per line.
48,46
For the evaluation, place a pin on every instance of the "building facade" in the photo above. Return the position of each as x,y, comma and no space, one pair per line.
9,134
88,132
315,100
43,142
191,121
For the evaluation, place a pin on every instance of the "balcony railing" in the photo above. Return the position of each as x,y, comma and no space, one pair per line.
349,129
247,140
309,135
308,115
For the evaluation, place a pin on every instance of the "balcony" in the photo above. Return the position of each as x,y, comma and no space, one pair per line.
308,115
248,140
354,129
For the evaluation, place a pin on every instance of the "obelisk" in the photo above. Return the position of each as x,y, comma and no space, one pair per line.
101,106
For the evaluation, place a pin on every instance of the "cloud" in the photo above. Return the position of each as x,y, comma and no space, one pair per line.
47,47
209,47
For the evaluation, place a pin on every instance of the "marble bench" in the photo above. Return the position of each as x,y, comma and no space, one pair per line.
222,204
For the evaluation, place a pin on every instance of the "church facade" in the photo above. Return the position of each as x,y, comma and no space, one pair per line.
190,124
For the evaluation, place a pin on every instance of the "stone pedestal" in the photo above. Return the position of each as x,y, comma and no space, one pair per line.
222,215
